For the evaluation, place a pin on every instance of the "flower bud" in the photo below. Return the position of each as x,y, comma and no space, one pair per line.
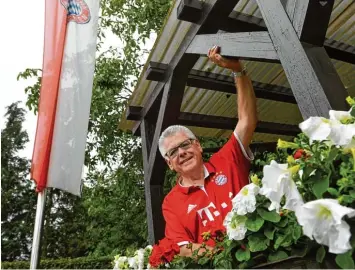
255,180
284,144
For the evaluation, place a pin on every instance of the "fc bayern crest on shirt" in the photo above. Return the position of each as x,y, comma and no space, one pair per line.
221,180
78,11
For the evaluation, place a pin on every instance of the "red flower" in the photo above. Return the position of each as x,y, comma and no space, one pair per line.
170,249
299,154
155,258
218,233
163,253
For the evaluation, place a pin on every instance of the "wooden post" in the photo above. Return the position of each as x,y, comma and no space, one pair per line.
312,77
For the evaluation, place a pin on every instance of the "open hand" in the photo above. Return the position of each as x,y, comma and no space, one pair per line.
215,57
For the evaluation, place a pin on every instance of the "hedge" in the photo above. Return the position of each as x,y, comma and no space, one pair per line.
64,263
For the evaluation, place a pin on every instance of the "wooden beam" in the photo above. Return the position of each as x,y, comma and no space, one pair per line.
153,193
238,22
296,11
224,84
249,45
228,123
133,113
340,51
312,76
189,10
310,19
156,71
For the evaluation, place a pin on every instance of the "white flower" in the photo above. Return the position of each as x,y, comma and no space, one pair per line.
235,226
120,262
333,129
316,128
277,182
140,258
150,247
322,220
133,262
244,202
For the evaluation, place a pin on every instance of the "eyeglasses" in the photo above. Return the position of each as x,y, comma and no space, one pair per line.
184,145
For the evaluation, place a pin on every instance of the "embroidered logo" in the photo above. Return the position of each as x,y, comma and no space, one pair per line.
78,11
221,180
191,207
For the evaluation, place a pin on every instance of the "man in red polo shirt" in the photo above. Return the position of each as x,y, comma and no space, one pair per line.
202,196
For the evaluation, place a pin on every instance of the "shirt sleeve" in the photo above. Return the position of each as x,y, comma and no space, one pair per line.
174,230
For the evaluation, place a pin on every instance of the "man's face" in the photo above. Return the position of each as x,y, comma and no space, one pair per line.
186,158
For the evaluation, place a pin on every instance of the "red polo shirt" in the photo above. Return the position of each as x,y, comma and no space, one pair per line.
190,211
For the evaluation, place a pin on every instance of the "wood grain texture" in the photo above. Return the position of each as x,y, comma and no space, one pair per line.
248,45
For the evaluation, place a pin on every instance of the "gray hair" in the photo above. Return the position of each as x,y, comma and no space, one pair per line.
171,131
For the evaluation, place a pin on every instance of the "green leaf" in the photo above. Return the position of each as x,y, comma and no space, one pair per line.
203,260
333,192
269,233
282,223
345,261
320,186
283,240
254,223
297,232
277,256
320,254
299,252
242,255
332,155
347,199
352,193
257,242
271,216
352,112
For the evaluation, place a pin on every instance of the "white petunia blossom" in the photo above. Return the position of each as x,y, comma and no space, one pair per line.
245,201
120,262
277,182
235,226
140,258
133,262
333,129
322,220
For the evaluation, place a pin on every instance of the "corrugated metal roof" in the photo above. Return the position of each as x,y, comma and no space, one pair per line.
202,101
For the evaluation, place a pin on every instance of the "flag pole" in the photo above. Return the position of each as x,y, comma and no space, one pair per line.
36,244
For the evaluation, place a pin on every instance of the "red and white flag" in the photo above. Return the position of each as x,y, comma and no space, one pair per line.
65,96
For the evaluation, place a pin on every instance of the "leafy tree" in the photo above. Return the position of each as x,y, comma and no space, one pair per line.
18,198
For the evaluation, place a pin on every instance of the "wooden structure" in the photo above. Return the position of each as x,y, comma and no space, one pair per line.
292,50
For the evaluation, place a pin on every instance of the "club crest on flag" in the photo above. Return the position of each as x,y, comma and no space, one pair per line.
78,11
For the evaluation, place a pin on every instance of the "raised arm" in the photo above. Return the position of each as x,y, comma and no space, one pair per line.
247,113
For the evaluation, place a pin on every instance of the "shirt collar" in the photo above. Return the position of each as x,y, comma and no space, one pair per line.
207,170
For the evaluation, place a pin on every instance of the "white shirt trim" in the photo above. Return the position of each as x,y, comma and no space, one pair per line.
248,154
183,243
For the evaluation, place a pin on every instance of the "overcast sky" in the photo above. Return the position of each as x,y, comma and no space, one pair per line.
21,47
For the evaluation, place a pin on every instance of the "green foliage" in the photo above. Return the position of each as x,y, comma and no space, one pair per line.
271,216
320,254
257,242
242,254
18,198
277,256
254,223
345,261
64,263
